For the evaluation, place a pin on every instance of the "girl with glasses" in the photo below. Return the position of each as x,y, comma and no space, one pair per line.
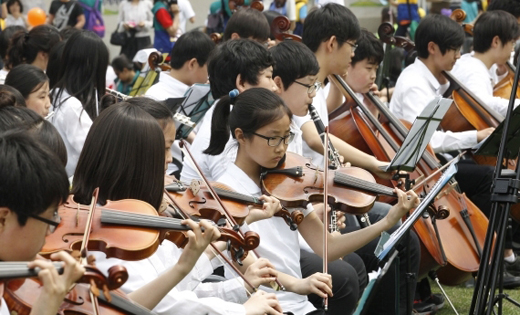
258,121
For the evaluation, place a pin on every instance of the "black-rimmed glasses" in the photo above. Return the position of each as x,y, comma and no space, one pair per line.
275,141
53,224
354,46
311,88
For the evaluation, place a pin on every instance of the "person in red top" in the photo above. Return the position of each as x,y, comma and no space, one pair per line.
165,24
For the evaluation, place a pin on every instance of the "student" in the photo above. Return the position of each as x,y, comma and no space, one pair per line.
189,65
165,24
494,37
5,40
110,161
438,47
33,84
126,74
135,17
236,64
63,13
188,61
15,17
295,76
260,123
331,32
25,219
247,23
77,92
32,47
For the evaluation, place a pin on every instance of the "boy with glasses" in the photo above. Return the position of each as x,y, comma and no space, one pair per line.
33,185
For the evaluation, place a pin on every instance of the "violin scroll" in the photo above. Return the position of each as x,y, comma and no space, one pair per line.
156,62
386,33
458,15
216,37
292,219
258,5
280,27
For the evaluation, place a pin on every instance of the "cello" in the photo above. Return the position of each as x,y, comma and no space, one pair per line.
383,140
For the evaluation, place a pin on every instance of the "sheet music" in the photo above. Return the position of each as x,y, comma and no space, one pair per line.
419,135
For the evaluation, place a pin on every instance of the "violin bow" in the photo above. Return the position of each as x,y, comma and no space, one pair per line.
325,214
215,196
219,252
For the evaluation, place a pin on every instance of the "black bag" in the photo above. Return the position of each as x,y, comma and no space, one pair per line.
118,38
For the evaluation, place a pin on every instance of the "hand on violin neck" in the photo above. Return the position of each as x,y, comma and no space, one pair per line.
405,202
260,272
198,241
269,208
55,286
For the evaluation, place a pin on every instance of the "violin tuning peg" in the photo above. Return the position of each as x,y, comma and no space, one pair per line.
93,288
106,293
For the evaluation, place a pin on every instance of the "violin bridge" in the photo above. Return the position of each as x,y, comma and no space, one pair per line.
195,187
316,176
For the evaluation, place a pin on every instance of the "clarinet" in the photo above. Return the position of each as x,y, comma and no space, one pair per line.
333,156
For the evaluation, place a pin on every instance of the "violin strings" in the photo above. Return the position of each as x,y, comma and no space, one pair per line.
356,182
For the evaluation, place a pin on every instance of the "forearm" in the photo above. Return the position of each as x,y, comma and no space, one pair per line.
47,304
81,22
334,99
289,282
153,292
353,155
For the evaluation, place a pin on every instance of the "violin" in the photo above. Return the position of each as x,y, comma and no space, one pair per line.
198,196
297,182
382,137
126,229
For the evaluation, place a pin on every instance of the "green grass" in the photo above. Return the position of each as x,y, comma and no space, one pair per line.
110,12
461,297
366,4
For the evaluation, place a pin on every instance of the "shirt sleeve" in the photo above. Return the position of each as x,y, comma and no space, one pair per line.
3,307
164,18
188,13
303,12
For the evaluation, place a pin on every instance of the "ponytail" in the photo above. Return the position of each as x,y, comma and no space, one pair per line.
252,110
25,45
219,127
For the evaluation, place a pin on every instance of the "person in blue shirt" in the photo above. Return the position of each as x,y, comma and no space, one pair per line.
126,74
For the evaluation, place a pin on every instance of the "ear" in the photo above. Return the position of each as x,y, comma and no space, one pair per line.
239,136
42,55
279,84
191,63
240,84
495,42
432,47
235,36
330,44
4,213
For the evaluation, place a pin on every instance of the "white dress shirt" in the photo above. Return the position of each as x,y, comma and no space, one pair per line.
472,72
168,87
415,88
73,124
284,255
190,296
3,308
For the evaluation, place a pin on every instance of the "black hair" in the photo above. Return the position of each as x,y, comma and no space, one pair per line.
28,166
123,155
441,30
11,2
9,96
494,23
330,20
193,44
68,31
369,47
54,64
293,61
242,56
121,63
252,109
248,23
511,6
43,131
5,38
25,46
26,79
270,16
86,59
157,110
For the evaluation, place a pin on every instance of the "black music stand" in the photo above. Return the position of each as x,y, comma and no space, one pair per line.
503,145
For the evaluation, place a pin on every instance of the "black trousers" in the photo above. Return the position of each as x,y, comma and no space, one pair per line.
475,180
350,271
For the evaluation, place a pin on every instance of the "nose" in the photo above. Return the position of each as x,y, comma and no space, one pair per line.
169,159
